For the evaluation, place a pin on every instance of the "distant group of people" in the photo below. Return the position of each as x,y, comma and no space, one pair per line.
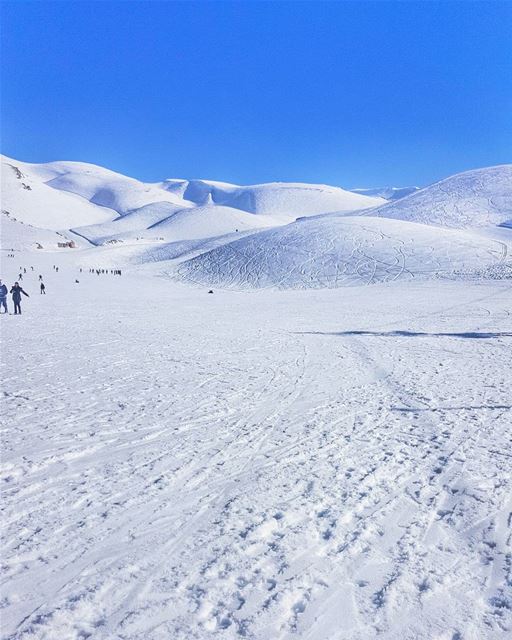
115,272
16,292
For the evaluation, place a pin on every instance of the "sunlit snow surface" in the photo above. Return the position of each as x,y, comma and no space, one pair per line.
266,464
320,449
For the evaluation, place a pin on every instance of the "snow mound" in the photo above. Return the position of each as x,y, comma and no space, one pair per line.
478,198
339,251
28,199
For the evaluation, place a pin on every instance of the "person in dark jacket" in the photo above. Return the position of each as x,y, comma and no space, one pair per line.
3,297
43,288
16,292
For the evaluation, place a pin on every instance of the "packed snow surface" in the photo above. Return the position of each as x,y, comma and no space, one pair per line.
479,198
324,465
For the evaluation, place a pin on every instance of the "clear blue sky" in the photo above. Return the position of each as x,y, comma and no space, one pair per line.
347,93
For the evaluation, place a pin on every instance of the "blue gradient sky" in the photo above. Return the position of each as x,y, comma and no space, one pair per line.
348,93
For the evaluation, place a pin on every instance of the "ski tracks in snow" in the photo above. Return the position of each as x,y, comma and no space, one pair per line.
249,467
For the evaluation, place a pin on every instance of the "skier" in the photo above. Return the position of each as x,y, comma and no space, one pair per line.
16,291
40,278
3,297
43,288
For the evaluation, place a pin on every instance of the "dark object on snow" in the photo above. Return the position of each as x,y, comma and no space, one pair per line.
3,296
211,291
77,281
16,291
43,288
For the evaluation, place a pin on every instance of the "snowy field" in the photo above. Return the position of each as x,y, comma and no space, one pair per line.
329,464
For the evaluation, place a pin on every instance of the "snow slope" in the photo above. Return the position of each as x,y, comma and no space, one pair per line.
284,465
19,236
169,222
30,200
336,251
479,198
107,188
388,193
209,221
131,225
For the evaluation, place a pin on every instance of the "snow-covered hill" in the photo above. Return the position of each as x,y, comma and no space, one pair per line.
110,206
478,198
388,193
337,251
172,223
303,235
28,198
201,209
292,200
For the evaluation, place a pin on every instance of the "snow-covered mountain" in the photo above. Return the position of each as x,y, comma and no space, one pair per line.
388,193
478,198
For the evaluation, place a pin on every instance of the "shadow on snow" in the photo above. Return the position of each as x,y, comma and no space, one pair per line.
412,334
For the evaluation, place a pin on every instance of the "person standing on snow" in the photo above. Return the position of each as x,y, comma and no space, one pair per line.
16,291
43,288
3,297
